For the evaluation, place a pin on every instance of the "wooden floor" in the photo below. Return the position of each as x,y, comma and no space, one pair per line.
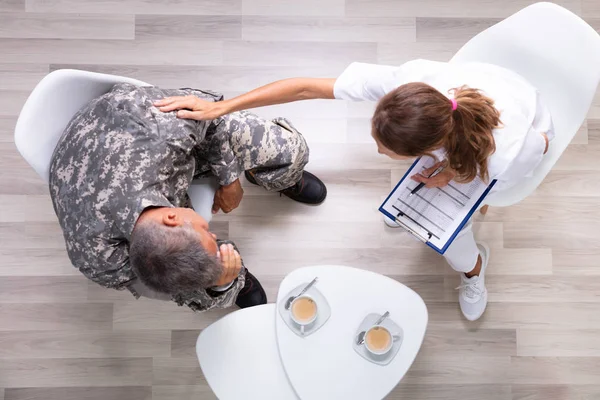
62,338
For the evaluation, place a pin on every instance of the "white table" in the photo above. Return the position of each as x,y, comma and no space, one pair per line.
324,365
239,357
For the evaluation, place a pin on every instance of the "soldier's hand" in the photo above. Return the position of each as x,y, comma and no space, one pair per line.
228,198
191,107
231,262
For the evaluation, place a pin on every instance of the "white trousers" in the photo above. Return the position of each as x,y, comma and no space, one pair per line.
463,252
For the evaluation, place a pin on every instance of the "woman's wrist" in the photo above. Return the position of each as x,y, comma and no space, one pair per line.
222,108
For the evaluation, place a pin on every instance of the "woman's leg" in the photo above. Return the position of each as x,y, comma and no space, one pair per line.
470,259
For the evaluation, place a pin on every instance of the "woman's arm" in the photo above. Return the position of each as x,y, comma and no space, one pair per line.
285,91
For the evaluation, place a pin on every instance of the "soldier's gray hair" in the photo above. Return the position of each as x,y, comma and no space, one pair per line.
171,260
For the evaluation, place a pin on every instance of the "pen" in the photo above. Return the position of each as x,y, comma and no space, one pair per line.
420,185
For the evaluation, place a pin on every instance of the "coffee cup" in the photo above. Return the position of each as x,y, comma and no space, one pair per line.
303,311
379,340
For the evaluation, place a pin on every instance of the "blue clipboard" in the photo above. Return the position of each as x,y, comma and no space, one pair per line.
426,240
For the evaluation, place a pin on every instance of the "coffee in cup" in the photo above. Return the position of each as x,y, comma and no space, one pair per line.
378,340
304,311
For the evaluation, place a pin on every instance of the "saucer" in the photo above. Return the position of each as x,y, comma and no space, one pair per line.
323,313
391,326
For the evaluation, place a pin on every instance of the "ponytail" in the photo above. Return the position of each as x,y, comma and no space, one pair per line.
415,119
470,142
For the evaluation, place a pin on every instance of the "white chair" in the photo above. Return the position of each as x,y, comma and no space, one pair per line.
53,103
558,53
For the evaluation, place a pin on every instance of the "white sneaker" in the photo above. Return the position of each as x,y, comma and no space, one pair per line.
390,222
472,295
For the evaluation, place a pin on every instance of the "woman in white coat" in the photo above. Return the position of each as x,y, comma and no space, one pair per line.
484,120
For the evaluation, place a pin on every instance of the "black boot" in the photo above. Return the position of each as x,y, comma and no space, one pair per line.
252,294
310,189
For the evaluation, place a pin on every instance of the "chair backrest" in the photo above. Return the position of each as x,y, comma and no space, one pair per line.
559,54
50,107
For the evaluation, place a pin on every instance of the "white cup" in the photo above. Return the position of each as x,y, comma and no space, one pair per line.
303,323
379,352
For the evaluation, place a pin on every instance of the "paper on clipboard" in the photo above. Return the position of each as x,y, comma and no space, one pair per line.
433,215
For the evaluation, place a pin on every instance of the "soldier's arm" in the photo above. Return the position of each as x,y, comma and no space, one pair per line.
284,91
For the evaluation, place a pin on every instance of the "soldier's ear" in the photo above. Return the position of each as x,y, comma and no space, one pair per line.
171,218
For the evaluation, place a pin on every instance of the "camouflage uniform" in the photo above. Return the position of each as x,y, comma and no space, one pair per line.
120,155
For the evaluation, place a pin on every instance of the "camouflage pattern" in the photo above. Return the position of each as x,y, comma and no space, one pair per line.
274,150
120,155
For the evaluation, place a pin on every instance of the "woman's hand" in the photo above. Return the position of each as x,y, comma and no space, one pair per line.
191,107
231,262
440,180
547,142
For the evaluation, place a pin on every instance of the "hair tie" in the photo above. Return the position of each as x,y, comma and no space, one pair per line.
454,104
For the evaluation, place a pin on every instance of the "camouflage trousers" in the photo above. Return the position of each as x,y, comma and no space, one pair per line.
273,150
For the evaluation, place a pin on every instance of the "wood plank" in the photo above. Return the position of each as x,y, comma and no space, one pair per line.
555,370
73,372
590,8
291,7
55,316
570,183
297,53
435,369
39,289
100,294
7,129
81,393
155,315
183,343
198,27
151,52
514,316
555,392
17,176
445,8
578,157
557,235
40,235
188,7
581,137
26,208
313,29
449,391
66,26
12,5
578,262
251,231
451,30
21,77
85,344
337,208
12,101
532,289
36,262
558,343
399,53
183,392
478,342
177,371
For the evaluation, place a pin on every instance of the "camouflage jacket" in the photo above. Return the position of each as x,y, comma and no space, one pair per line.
118,156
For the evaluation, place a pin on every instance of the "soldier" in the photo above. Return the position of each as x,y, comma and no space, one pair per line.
119,178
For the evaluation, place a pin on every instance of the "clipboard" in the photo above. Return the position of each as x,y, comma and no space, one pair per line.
434,216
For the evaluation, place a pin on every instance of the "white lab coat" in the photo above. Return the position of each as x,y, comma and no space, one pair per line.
519,143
